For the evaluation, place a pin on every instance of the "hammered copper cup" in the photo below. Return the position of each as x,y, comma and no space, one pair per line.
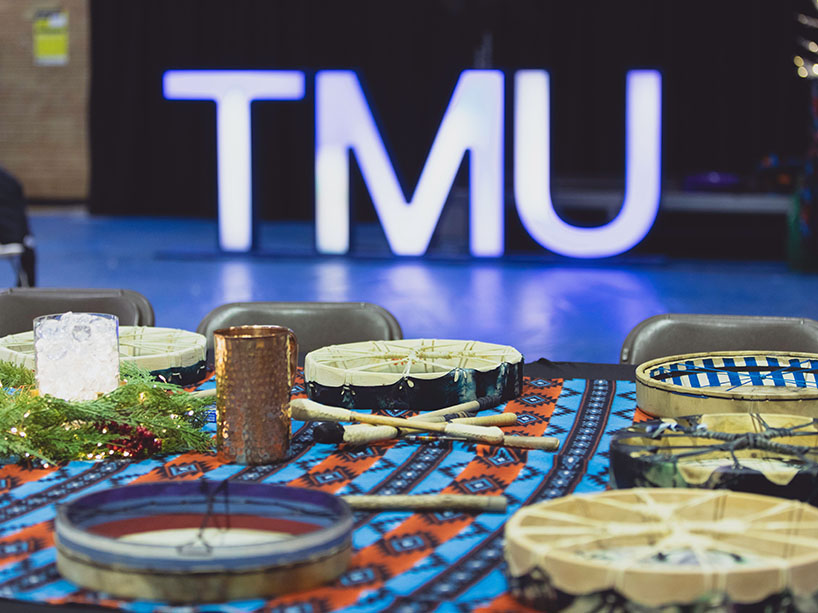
255,368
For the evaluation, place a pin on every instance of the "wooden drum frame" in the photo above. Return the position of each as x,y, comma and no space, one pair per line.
729,382
284,539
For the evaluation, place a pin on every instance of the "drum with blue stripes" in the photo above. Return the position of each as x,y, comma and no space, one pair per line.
729,382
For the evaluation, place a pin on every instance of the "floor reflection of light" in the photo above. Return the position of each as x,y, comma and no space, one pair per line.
410,281
236,281
416,295
332,281
547,308
563,312
484,285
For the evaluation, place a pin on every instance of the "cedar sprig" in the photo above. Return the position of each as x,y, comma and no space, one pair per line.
142,416
12,375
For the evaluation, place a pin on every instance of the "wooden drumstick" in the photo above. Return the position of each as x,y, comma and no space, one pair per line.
307,410
362,434
498,419
427,502
327,432
204,393
470,406
546,443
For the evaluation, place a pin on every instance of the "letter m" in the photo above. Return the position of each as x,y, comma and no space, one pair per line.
473,122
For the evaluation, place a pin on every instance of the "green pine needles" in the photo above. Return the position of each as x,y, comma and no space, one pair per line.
141,418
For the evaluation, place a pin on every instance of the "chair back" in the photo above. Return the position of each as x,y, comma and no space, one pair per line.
20,305
676,333
316,324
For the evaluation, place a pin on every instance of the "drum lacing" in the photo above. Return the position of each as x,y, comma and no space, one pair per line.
735,441
676,534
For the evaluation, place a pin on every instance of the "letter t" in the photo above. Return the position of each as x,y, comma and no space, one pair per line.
233,91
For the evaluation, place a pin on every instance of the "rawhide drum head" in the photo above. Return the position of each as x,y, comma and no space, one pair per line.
640,549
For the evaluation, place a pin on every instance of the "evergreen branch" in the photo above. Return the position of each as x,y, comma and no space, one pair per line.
141,417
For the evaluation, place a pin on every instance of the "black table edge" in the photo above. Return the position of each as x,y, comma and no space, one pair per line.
546,369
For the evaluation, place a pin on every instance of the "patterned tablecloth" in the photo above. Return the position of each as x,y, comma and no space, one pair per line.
443,561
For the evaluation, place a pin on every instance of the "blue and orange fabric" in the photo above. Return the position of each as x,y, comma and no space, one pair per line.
401,561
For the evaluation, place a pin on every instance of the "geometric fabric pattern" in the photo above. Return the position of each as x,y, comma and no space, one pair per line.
401,561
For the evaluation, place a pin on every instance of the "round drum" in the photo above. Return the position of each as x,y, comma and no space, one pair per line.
768,454
203,541
642,549
421,374
177,356
729,382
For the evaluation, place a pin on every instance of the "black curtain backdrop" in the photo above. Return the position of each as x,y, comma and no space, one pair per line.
731,95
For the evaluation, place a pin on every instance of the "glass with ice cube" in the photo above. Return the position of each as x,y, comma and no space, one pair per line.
77,354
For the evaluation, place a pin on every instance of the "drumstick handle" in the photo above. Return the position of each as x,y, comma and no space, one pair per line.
546,443
204,393
428,502
362,434
498,419
472,406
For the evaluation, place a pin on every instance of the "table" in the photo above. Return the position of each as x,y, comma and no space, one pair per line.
444,561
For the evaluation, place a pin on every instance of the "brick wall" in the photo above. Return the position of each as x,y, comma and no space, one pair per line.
44,108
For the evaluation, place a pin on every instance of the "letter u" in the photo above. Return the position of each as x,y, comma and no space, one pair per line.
532,168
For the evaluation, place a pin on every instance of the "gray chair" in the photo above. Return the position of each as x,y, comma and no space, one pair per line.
316,324
20,305
675,333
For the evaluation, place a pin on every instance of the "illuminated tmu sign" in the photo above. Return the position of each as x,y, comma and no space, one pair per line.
473,123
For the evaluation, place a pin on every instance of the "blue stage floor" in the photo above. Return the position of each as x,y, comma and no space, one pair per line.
546,307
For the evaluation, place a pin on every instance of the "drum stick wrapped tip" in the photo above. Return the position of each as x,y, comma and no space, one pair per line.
329,432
